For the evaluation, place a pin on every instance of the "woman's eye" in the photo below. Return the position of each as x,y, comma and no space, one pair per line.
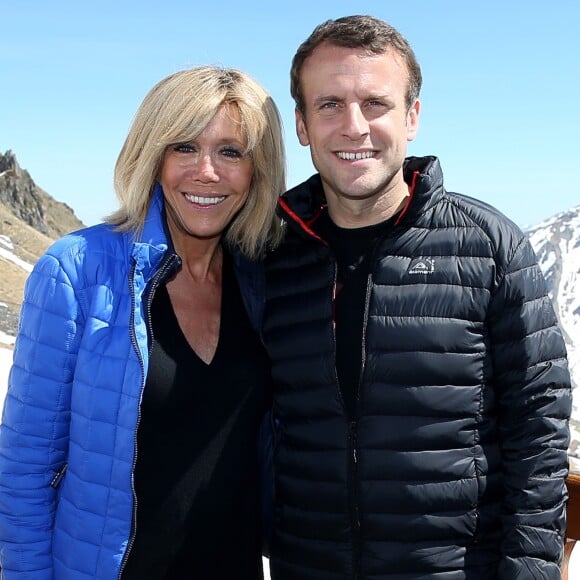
232,153
184,148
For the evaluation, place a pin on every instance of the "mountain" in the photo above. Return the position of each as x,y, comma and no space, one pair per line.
32,205
30,220
556,242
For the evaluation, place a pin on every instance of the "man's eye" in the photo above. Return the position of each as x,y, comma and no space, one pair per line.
374,103
329,105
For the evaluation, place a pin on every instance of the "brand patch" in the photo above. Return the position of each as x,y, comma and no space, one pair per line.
422,266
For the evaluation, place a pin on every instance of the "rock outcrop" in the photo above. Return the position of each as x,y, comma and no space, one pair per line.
30,220
30,203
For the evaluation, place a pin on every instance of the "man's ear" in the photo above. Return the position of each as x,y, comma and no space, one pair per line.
413,120
301,130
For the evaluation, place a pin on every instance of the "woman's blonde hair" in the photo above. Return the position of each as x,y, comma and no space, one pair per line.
176,110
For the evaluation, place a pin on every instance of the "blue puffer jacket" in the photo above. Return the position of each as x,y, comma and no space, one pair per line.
67,441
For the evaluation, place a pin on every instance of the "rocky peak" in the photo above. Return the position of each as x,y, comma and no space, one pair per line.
29,203
30,220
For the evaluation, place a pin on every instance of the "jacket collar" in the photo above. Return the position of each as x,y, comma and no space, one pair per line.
302,204
154,230
154,241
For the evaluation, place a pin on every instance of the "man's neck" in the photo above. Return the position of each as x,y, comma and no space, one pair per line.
347,213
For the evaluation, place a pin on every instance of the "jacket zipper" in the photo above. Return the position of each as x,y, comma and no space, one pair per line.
353,499
55,482
353,421
354,509
169,262
352,458
353,439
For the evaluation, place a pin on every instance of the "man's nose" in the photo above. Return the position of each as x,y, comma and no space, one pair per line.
355,124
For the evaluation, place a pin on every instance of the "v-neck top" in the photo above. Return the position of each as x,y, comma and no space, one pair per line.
196,476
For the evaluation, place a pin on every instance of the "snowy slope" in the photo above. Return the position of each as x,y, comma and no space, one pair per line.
556,242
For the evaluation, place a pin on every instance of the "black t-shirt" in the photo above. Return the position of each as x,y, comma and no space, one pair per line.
353,251
196,477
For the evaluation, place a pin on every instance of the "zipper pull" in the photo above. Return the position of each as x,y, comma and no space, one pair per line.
58,476
353,440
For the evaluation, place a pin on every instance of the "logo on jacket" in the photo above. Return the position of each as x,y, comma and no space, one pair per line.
422,266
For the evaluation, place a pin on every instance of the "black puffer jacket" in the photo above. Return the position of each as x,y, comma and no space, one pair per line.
454,465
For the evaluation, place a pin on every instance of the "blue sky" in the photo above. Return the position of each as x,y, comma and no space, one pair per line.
499,101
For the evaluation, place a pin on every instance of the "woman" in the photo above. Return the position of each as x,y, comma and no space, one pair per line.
128,446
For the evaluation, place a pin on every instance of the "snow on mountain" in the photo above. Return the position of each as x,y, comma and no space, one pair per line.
5,363
556,242
6,247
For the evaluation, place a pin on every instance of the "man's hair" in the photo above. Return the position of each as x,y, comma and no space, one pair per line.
176,110
358,31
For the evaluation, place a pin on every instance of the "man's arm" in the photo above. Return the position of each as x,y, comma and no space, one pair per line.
532,383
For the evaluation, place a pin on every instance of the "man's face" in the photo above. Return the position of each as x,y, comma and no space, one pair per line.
357,124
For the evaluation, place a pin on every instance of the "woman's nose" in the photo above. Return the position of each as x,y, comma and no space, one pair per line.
205,168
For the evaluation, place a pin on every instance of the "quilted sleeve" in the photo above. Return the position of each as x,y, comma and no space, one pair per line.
534,395
35,421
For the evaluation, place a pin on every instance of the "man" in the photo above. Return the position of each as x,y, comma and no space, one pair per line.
422,394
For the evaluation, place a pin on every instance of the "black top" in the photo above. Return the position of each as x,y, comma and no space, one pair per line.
352,249
196,477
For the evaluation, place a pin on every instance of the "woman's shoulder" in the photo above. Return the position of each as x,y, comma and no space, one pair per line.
100,247
99,238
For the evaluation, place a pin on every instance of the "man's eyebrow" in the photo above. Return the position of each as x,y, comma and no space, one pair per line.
326,98
385,97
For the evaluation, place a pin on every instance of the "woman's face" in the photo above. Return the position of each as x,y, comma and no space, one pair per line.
206,181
